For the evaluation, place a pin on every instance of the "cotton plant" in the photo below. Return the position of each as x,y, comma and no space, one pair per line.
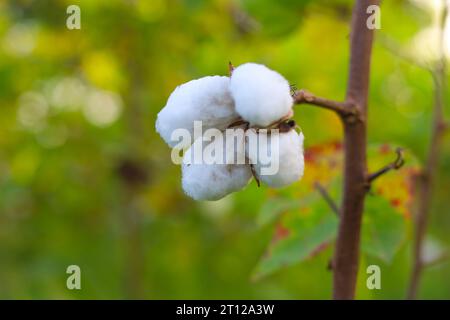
254,99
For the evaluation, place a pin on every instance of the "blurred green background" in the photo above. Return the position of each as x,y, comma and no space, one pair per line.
86,180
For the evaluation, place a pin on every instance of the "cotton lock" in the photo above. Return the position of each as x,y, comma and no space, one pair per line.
206,99
262,96
289,161
212,181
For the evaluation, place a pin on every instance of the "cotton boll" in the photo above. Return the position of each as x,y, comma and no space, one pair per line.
283,163
262,96
206,99
202,181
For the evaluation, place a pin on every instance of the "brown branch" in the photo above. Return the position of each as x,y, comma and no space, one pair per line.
346,256
353,114
342,108
326,196
426,181
394,165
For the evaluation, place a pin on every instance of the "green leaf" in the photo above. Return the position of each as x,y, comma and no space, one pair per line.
276,206
301,233
384,228
266,13
272,208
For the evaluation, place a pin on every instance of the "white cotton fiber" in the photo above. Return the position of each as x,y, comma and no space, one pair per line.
262,96
289,159
202,181
206,99
222,147
214,181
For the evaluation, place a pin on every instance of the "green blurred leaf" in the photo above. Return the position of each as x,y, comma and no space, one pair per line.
306,226
276,206
384,228
267,13
272,208
301,242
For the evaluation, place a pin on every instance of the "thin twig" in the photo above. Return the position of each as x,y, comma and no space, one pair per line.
394,165
326,196
342,108
427,178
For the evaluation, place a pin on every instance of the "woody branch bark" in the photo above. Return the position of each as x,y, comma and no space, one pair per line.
341,108
427,177
353,113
